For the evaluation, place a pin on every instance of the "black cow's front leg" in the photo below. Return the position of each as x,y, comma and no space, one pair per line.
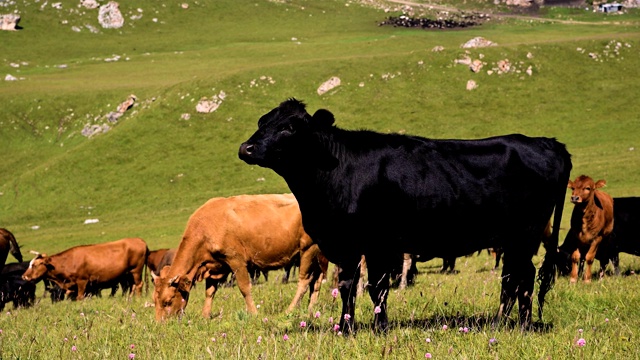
348,277
379,291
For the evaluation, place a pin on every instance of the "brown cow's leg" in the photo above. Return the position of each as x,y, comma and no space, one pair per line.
575,264
82,286
244,284
314,288
211,285
304,278
589,258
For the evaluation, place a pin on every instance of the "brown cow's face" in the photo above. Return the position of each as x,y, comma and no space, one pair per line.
583,189
38,267
171,295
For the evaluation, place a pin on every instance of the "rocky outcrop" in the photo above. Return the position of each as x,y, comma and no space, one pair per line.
110,16
329,85
9,21
478,42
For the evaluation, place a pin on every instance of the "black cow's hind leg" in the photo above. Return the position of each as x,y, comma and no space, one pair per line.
378,291
518,276
348,277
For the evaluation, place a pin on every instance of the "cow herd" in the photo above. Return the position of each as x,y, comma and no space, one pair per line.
387,198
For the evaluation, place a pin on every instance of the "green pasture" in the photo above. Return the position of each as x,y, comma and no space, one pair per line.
153,168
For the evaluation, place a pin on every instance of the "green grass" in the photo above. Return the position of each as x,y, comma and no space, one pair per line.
152,170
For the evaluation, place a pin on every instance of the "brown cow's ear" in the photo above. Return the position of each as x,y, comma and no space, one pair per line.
601,183
184,284
570,184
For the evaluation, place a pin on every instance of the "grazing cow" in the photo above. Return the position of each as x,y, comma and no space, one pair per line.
230,235
154,259
14,289
591,224
381,195
8,244
81,269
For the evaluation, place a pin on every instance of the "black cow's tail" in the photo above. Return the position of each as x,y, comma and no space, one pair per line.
144,273
14,248
547,272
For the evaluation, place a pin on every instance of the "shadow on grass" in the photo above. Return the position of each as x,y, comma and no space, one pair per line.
454,323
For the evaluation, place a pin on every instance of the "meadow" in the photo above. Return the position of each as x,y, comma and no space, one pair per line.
155,166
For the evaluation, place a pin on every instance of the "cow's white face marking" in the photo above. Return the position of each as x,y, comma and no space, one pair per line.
31,263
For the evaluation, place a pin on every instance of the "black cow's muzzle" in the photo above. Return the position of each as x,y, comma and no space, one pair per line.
245,153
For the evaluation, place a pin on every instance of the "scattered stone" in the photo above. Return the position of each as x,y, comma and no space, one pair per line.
504,65
328,85
206,105
478,42
110,16
466,60
476,65
9,22
127,104
529,70
471,85
185,5
10,77
89,4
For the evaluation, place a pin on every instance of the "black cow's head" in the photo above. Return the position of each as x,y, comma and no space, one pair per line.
288,136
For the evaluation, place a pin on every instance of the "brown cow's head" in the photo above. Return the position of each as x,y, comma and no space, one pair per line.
38,267
171,294
583,189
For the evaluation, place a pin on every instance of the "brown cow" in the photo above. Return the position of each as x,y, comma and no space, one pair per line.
226,235
8,244
92,266
591,223
160,258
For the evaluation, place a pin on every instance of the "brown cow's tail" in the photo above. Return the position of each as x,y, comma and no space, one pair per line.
14,248
547,272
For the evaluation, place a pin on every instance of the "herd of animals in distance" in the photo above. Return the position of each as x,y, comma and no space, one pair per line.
350,191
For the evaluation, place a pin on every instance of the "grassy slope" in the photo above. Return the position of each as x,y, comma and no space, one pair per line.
146,176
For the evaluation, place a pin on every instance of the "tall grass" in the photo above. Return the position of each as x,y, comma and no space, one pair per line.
153,169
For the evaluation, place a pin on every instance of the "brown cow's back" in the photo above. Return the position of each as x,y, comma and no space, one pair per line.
154,258
8,244
97,264
229,234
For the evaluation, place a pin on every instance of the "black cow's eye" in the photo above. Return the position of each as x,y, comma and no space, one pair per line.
286,128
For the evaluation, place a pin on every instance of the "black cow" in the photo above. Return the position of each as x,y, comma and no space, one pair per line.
626,232
382,195
13,288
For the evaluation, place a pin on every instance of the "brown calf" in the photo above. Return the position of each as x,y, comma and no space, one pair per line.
591,223
92,266
229,234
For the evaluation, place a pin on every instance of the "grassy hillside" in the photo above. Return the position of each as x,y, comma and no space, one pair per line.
153,168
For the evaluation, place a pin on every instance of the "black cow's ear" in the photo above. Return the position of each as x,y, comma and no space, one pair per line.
323,119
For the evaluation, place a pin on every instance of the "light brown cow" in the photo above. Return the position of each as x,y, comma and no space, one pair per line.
229,234
92,266
591,223
8,244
